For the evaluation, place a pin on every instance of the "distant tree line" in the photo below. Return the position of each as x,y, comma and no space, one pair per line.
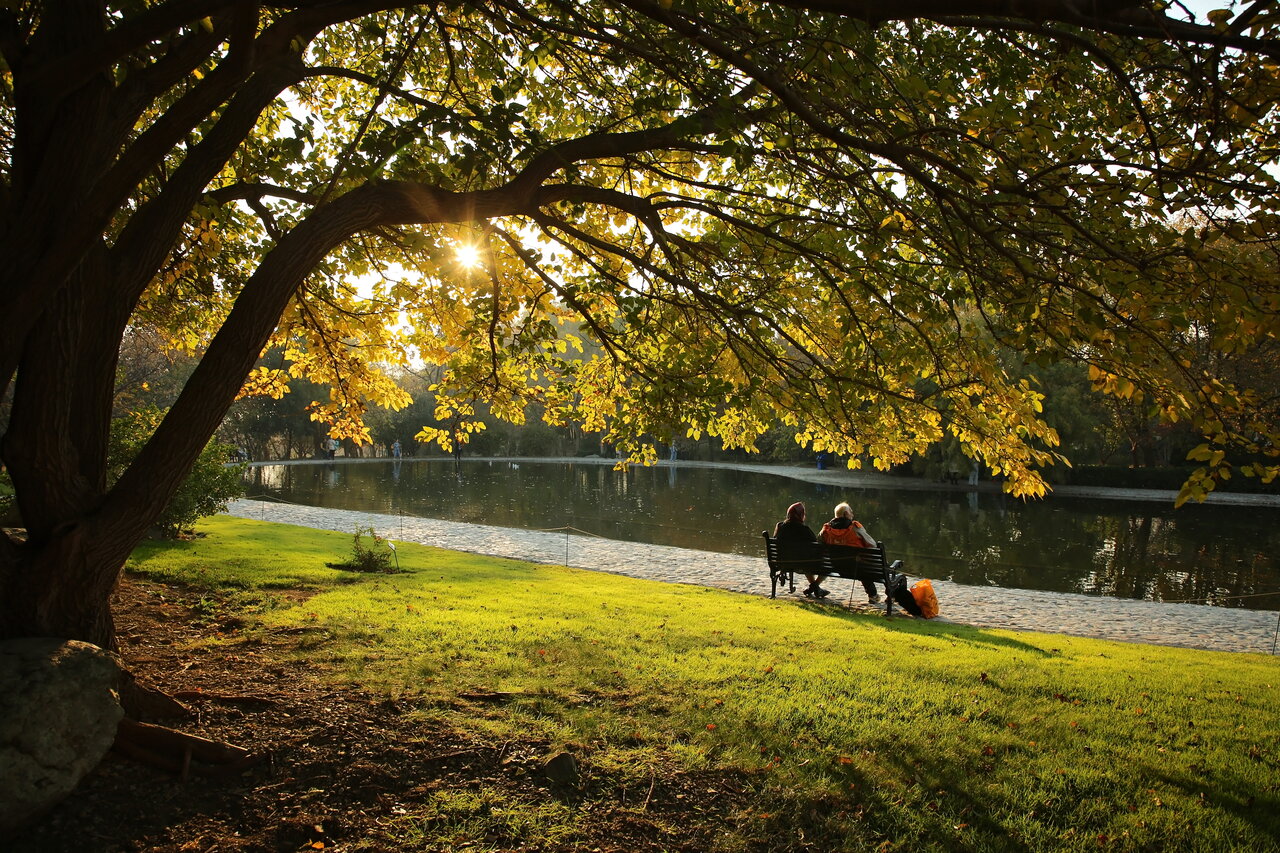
1111,441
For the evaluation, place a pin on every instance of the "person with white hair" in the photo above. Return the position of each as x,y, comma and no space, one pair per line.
845,530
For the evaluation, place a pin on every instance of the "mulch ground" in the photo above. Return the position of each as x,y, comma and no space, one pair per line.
339,770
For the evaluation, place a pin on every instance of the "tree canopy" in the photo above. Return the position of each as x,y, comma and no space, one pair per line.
651,218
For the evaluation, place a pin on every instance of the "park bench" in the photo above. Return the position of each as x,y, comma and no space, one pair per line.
837,561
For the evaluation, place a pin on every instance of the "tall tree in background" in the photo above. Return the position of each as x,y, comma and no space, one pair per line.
758,211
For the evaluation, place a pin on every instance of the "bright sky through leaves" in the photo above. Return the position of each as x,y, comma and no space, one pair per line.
468,256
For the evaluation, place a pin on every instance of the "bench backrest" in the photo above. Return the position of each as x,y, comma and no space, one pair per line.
792,556
816,558
849,561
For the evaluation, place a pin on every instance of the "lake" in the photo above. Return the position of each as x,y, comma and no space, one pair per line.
1222,555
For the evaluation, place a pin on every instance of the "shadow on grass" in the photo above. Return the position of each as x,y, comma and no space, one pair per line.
927,798
1064,804
1226,790
923,627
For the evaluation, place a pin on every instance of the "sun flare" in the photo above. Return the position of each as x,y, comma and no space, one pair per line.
468,256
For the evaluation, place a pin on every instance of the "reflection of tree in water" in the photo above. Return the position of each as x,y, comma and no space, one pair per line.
1172,559
1214,554
999,543
1122,566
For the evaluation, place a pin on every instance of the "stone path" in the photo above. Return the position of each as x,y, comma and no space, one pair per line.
1188,625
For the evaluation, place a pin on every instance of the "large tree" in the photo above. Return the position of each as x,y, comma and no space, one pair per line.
808,211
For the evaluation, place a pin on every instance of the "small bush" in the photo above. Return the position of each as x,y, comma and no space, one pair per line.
372,558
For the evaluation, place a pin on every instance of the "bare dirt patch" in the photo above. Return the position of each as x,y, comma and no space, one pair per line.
340,770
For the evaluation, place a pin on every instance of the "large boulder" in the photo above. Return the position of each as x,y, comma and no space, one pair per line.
59,709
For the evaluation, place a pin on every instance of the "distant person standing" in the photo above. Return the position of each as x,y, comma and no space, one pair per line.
845,530
671,454
395,448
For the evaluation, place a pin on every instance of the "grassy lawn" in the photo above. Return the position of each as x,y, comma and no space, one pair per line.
853,732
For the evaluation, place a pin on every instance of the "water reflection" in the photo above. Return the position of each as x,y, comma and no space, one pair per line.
1127,550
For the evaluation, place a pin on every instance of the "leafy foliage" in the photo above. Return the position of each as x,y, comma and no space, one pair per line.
206,491
833,244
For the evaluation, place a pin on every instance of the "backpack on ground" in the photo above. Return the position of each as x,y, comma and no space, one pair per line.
903,597
926,599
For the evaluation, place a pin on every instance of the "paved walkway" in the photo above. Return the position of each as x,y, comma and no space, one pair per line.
1188,625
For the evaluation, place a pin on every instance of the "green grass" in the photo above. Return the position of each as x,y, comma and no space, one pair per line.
853,730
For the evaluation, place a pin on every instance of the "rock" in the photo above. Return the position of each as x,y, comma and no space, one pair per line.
59,709
561,768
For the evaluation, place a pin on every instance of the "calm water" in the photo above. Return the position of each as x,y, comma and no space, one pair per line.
1101,547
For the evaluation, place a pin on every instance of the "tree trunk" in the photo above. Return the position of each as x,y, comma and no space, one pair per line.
62,587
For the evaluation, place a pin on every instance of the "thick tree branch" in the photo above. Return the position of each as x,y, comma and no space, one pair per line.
12,46
1130,18
157,22
60,76
182,60
151,231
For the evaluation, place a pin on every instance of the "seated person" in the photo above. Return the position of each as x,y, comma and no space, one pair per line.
796,551
844,530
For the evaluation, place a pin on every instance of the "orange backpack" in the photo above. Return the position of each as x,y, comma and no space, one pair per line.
922,592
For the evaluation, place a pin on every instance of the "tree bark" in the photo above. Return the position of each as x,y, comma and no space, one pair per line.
62,587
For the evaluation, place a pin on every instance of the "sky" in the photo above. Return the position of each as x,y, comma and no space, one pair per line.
1201,8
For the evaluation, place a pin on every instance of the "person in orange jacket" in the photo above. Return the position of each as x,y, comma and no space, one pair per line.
845,530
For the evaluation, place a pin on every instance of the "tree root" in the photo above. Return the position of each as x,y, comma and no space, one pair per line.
139,700
180,753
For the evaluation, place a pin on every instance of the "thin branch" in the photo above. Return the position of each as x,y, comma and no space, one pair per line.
256,191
